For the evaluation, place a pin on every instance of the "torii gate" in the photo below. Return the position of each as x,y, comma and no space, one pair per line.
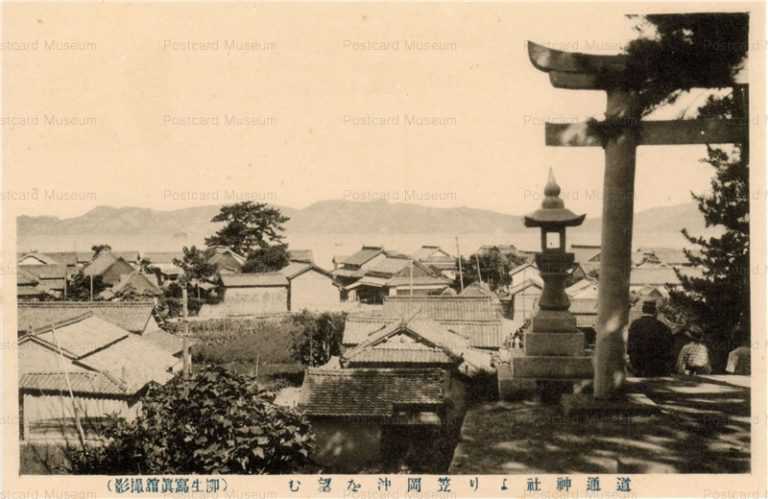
573,70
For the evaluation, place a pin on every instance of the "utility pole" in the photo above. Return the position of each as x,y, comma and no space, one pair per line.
477,264
185,345
461,273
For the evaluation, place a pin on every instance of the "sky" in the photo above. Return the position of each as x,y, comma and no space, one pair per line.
173,105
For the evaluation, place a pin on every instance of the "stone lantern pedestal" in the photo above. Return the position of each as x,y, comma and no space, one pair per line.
554,348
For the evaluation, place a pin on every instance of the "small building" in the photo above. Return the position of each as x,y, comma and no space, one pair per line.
587,256
257,293
164,262
351,268
670,257
362,417
28,287
396,275
311,288
52,278
109,267
478,319
301,255
134,285
525,298
435,257
226,260
103,366
133,316
522,273
36,258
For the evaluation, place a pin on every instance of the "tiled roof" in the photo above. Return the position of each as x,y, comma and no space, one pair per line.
349,273
423,280
54,271
157,257
370,392
585,252
301,255
100,264
644,276
43,258
25,278
522,267
478,288
133,360
374,282
362,256
171,343
137,281
537,282
79,381
476,318
389,265
294,269
132,316
442,308
432,253
80,335
64,257
26,291
254,279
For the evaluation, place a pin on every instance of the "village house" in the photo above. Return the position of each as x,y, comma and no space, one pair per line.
250,294
395,275
133,285
587,256
310,287
301,255
163,261
525,290
437,258
226,260
478,319
51,278
28,287
348,269
109,266
363,417
100,365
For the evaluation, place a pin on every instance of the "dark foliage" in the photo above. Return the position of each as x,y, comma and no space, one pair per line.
494,268
317,337
248,226
79,287
267,259
216,422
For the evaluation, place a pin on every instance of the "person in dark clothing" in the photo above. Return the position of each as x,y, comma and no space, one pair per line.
649,344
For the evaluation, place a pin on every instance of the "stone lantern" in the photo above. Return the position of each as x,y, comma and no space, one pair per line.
554,348
553,261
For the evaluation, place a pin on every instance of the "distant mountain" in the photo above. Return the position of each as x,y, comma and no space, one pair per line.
334,217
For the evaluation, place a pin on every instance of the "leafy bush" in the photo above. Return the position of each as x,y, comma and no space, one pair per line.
228,340
316,337
215,422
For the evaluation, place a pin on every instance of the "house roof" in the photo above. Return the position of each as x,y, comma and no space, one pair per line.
536,282
127,255
295,269
522,267
134,360
653,276
27,291
43,258
390,265
585,252
476,318
171,343
101,264
68,258
132,316
350,273
79,382
301,255
219,252
254,279
139,281
159,257
432,253
374,282
78,336
52,271
26,278
442,308
418,280
370,392
363,256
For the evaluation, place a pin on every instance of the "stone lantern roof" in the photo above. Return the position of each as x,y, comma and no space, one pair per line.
553,213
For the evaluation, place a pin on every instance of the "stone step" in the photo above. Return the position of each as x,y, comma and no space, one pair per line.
538,344
552,367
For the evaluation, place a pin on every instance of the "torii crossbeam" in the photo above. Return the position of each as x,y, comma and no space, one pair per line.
571,70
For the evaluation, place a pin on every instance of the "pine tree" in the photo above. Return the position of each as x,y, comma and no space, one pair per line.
720,298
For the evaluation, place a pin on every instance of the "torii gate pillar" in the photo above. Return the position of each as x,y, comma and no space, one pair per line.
615,247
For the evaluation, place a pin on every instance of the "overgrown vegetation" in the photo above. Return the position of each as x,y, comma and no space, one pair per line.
212,423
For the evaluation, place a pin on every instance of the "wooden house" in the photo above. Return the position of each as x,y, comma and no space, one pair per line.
310,287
